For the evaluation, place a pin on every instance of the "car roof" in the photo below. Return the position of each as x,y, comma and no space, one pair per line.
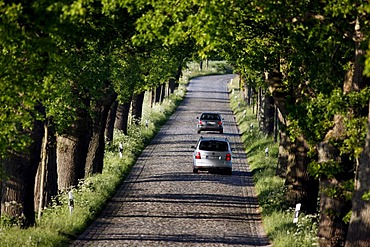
213,113
213,139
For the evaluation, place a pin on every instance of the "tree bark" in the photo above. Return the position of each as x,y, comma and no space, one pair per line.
276,124
267,113
359,227
301,186
158,92
72,147
50,183
178,74
95,154
284,144
121,122
163,92
332,228
17,200
171,85
109,128
137,106
353,82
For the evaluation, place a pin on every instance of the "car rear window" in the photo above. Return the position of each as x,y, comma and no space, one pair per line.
213,146
210,117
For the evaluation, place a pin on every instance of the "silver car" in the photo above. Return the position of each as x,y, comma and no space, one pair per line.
209,121
212,153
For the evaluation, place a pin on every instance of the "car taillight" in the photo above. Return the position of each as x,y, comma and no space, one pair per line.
228,157
219,122
197,156
200,122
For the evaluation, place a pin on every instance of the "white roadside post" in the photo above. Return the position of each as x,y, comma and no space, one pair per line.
70,202
120,150
296,212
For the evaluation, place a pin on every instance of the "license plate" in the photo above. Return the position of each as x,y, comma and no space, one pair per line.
211,123
213,157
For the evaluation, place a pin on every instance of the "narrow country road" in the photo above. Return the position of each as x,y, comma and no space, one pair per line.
162,203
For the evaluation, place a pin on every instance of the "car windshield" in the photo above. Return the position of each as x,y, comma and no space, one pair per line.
213,146
210,117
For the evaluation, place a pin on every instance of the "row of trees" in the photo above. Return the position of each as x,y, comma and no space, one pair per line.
65,63
308,59
70,73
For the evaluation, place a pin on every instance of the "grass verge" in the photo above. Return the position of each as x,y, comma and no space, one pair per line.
276,215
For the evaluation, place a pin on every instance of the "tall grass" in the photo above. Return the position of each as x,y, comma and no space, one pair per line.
276,215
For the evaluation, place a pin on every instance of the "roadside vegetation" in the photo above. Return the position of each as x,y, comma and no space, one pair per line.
277,215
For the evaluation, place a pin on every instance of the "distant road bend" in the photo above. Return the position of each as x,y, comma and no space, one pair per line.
162,203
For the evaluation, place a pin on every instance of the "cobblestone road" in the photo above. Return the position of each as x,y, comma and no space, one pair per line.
162,203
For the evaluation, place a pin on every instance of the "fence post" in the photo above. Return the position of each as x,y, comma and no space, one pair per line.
70,202
296,212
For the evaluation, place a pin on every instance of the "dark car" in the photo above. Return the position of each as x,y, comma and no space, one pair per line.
212,154
209,121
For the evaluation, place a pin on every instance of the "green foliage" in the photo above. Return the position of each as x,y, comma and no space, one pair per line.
343,190
366,196
325,169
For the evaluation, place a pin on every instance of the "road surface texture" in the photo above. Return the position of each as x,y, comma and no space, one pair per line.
163,203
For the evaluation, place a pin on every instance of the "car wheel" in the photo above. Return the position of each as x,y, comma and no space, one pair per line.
195,170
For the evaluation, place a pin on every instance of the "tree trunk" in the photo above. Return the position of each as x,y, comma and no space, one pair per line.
152,97
284,146
109,128
178,74
276,124
17,200
137,106
51,183
121,122
164,90
172,85
259,105
158,92
359,227
277,91
332,228
301,187
95,154
267,113
51,177
72,148
249,95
